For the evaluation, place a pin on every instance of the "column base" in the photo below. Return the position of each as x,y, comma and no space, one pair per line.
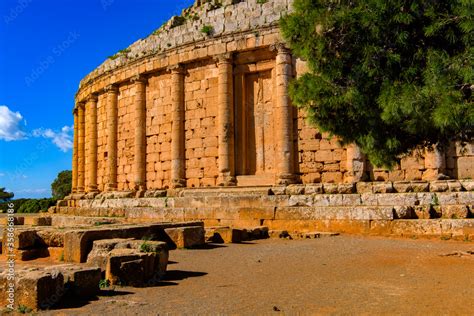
226,180
287,178
91,195
111,187
178,183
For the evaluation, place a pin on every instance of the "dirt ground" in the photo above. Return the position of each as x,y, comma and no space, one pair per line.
342,275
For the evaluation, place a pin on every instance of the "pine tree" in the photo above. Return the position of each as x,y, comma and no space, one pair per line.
388,75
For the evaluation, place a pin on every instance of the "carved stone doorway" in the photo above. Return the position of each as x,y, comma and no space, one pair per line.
254,122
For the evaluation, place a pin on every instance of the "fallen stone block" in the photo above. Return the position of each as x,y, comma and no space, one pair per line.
186,237
101,249
282,234
51,237
37,221
25,238
34,289
317,235
132,267
255,233
149,246
78,243
224,235
81,281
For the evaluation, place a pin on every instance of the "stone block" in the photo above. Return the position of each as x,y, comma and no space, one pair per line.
186,237
135,268
37,221
17,221
56,253
35,288
281,234
100,250
364,187
314,188
295,189
345,188
455,211
81,281
382,187
454,186
468,185
404,212
331,188
223,235
439,186
25,239
51,237
255,233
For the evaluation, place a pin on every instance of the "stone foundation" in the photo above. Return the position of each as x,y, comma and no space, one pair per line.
382,208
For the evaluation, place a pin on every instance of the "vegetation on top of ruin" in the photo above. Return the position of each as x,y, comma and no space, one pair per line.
390,76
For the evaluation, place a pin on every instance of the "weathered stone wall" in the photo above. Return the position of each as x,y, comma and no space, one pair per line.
199,110
158,131
201,124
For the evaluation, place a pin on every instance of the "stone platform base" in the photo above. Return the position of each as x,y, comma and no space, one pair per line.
437,209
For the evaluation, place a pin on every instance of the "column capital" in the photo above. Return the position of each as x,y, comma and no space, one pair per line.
111,88
139,79
92,98
225,58
79,104
176,69
280,48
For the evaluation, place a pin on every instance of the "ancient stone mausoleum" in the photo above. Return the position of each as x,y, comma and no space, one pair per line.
203,102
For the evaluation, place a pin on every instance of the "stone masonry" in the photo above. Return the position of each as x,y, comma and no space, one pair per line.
188,108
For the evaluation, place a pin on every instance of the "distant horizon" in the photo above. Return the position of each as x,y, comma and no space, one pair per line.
47,49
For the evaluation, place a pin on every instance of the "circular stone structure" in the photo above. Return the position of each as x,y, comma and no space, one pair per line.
203,101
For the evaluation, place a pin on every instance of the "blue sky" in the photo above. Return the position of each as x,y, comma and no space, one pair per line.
46,48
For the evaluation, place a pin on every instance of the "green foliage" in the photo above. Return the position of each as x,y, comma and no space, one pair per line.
5,196
22,309
34,205
262,1
62,185
104,283
390,76
122,52
207,29
146,247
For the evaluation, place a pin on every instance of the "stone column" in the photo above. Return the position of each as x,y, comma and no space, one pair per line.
355,164
140,134
112,126
177,133
74,151
91,112
81,146
225,121
284,117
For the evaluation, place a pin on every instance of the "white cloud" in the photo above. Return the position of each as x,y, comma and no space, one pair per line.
11,124
62,139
